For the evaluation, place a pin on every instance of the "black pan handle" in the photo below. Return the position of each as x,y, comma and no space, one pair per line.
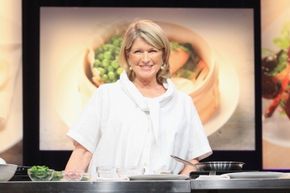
183,161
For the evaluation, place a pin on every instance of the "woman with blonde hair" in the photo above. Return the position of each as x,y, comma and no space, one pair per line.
140,120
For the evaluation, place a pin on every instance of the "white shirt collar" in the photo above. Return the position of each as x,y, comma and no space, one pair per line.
131,90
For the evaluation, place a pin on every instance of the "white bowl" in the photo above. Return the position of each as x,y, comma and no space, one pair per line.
204,90
7,171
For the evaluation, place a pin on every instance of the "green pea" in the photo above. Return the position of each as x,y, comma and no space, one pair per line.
105,77
97,63
105,62
111,75
110,69
116,41
115,64
101,71
100,56
119,70
108,55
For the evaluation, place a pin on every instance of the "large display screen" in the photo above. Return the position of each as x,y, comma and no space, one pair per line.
275,84
221,84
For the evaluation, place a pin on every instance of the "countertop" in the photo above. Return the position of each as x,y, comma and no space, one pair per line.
160,186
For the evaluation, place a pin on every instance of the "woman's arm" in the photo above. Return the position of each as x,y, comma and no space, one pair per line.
187,168
79,159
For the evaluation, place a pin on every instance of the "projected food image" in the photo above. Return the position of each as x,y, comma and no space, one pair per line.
275,74
192,66
276,87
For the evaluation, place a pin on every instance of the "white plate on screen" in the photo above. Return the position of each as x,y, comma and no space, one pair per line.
255,175
71,101
74,91
229,97
159,177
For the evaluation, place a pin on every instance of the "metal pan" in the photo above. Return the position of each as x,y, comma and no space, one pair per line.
212,165
219,166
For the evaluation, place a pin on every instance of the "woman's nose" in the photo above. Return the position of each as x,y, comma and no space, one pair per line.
145,57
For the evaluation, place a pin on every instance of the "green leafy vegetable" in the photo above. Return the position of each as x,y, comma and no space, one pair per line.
40,173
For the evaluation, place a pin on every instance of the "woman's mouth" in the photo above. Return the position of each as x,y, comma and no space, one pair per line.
146,67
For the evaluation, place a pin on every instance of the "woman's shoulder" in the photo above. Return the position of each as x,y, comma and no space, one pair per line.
108,86
107,89
183,96
171,86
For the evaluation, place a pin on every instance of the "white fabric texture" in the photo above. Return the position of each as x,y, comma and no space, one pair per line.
124,129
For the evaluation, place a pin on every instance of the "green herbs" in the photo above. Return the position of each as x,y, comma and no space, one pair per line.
272,62
40,173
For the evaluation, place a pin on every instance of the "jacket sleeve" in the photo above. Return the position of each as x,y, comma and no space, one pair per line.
199,147
86,131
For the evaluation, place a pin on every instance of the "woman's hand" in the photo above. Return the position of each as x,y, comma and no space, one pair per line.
79,159
187,168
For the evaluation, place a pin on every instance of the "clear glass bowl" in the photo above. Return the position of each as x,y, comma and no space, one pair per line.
57,176
40,175
72,176
106,172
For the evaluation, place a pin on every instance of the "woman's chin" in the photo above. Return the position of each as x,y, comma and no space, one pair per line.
146,76
146,72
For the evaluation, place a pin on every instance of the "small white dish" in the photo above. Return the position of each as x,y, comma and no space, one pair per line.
159,177
213,177
7,171
255,175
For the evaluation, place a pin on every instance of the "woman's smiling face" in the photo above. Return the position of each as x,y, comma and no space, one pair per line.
145,60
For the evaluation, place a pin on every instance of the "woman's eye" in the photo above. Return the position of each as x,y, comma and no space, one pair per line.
137,52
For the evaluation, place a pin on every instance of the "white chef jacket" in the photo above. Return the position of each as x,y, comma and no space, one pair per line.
124,129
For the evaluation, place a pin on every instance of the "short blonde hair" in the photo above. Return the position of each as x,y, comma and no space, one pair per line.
152,34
